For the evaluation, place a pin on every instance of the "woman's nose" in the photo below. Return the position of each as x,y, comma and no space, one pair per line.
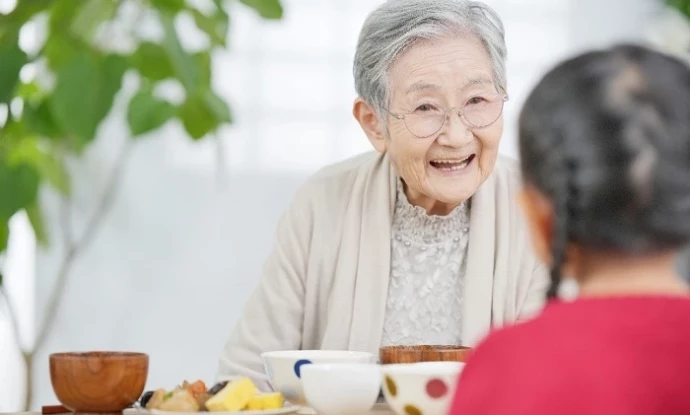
455,132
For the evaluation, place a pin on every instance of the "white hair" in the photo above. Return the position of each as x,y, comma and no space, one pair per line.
398,24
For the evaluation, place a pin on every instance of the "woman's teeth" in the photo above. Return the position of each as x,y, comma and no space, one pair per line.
451,165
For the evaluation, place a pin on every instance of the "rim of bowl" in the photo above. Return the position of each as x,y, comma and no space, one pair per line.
352,367
424,368
427,347
315,354
98,354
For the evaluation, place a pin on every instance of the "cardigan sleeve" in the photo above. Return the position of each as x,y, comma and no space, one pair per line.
272,318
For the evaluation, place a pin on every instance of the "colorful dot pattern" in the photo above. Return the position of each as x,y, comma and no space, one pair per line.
435,389
391,386
412,410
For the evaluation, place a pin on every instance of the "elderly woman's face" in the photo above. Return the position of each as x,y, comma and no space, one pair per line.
443,167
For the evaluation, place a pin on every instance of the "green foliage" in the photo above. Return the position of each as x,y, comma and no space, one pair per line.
682,5
45,123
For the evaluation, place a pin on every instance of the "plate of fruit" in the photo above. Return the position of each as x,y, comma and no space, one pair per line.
236,397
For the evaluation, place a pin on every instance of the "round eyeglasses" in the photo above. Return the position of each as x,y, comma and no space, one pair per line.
478,112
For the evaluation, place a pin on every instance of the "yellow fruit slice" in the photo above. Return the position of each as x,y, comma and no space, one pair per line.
255,404
233,397
272,400
266,401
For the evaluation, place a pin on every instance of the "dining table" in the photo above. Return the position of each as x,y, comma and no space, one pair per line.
377,409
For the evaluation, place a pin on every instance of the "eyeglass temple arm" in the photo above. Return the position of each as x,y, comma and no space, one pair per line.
396,116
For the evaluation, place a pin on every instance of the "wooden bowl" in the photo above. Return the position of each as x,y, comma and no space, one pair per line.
98,382
423,353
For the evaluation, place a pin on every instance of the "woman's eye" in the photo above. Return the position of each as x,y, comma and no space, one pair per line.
476,100
425,108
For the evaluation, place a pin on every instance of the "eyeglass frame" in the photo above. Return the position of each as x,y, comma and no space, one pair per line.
446,116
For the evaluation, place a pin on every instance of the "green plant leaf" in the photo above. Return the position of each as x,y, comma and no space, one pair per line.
152,62
4,237
61,44
183,63
27,150
196,118
12,59
89,15
147,113
203,113
55,173
25,10
217,107
681,5
33,211
58,51
268,9
85,91
18,188
203,62
215,26
30,92
39,120
174,6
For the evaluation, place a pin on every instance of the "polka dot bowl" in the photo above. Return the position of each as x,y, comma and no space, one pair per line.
341,388
420,388
284,368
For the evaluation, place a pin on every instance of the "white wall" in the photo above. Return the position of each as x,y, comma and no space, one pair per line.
181,250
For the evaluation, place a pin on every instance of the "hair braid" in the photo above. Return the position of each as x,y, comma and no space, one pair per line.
562,216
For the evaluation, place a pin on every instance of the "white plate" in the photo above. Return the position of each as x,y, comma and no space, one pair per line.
280,411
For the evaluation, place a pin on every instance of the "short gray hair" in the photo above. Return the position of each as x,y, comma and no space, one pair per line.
398,24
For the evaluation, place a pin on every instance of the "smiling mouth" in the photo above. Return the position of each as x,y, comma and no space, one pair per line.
451,165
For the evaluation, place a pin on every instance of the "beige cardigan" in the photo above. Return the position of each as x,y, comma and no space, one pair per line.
325,282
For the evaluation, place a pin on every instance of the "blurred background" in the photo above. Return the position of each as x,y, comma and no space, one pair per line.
154,213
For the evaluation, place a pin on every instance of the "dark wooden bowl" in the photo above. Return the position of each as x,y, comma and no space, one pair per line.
423,353
98,382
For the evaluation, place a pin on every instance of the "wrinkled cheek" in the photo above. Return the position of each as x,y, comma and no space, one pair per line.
412,169
489,149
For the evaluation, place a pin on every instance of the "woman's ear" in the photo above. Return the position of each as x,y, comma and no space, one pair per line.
538,212
370,123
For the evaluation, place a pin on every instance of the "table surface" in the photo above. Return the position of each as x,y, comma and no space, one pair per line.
378,409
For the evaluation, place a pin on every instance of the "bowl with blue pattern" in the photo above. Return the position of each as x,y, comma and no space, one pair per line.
284,368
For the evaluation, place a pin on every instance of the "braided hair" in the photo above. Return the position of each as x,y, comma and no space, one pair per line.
605,136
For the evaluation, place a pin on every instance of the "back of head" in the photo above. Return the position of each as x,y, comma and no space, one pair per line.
606,137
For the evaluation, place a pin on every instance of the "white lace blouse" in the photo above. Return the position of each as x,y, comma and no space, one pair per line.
428,257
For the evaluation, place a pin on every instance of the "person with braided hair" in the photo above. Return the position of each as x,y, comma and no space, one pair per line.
605,160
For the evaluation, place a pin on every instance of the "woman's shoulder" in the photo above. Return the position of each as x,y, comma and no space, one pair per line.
345,169
331,183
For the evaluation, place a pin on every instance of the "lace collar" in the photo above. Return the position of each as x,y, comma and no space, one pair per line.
412,222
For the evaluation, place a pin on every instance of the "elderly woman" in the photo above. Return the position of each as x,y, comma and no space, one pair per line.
421,241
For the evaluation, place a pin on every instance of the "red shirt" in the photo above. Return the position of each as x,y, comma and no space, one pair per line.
628,356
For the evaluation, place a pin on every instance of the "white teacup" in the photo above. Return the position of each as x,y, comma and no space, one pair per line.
284,368
341,388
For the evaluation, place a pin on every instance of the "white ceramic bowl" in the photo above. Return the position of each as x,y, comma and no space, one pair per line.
420,388
284,368
341,388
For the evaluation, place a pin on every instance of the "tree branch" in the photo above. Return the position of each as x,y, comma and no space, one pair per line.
13,319
75,247
221,167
